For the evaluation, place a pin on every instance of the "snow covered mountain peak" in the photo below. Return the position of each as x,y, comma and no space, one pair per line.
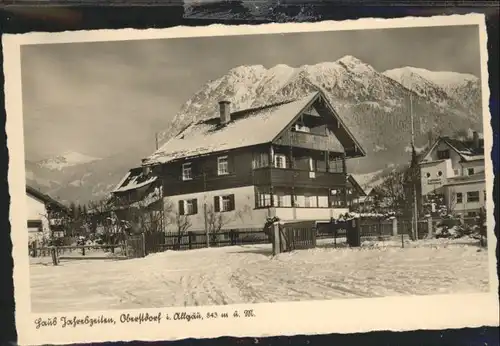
355,65
443,79
66,159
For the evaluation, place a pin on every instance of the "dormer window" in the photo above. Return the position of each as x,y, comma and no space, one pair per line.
187,172
443,154
222,165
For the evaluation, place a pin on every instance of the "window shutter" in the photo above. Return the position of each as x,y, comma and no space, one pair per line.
216,204
231,199
230,164
195,206
181,207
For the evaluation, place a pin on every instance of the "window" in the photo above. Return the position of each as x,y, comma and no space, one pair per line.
311,202
299,201
312,164
187,171
473,196
300,127
336,166
459,197
280,161
224,203
440,174
323,201
263,200
470,171
188,207
260,160
222,165
456,171
428,175
484,192
443,154
278,200
471,214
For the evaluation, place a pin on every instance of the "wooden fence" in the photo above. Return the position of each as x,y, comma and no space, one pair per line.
82,250
159,241
299,238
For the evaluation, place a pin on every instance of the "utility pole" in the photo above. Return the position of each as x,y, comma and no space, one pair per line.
205,211
156,140
415,207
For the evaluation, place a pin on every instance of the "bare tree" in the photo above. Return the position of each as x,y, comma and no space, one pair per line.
393,191
451,202
182,223
215,222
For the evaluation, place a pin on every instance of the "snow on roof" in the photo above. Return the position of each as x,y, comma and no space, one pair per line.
45,198
473,157
464,147
479,177
246,128
134,179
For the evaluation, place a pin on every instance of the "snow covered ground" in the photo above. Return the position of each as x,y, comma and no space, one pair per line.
249,274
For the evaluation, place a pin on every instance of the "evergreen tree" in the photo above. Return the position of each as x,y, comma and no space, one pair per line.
73,209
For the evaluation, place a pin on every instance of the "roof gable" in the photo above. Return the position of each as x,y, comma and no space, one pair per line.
320,106
464,148
46,199
134,179
356,185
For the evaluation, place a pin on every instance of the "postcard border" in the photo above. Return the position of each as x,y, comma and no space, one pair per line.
270,320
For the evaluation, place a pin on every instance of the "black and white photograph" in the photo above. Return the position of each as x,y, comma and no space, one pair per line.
251,167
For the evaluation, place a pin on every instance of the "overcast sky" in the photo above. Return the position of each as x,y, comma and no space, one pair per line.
106,97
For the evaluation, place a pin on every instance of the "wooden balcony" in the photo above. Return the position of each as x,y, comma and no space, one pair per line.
310,141
297,178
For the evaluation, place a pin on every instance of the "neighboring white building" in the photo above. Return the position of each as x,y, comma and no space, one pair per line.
40,209
455,169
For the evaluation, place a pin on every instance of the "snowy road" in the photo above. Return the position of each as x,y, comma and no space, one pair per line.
248,274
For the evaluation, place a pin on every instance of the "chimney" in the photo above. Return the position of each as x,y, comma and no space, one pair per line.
475,140
146,170
225,112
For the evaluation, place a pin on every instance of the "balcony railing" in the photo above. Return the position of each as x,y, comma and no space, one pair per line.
311,141
297,178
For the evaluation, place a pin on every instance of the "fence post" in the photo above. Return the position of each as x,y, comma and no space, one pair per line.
429,228
190,240
143,238
395,227
83,250
231,236
54,255
276,239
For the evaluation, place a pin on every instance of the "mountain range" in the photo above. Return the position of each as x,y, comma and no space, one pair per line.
376,106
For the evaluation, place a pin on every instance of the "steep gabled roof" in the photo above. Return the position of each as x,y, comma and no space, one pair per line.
356,185
464,148
247,128
46,199
134,179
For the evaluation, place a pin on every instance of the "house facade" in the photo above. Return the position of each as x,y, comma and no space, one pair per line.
43,215
454,169
466,195
137,198
285,160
